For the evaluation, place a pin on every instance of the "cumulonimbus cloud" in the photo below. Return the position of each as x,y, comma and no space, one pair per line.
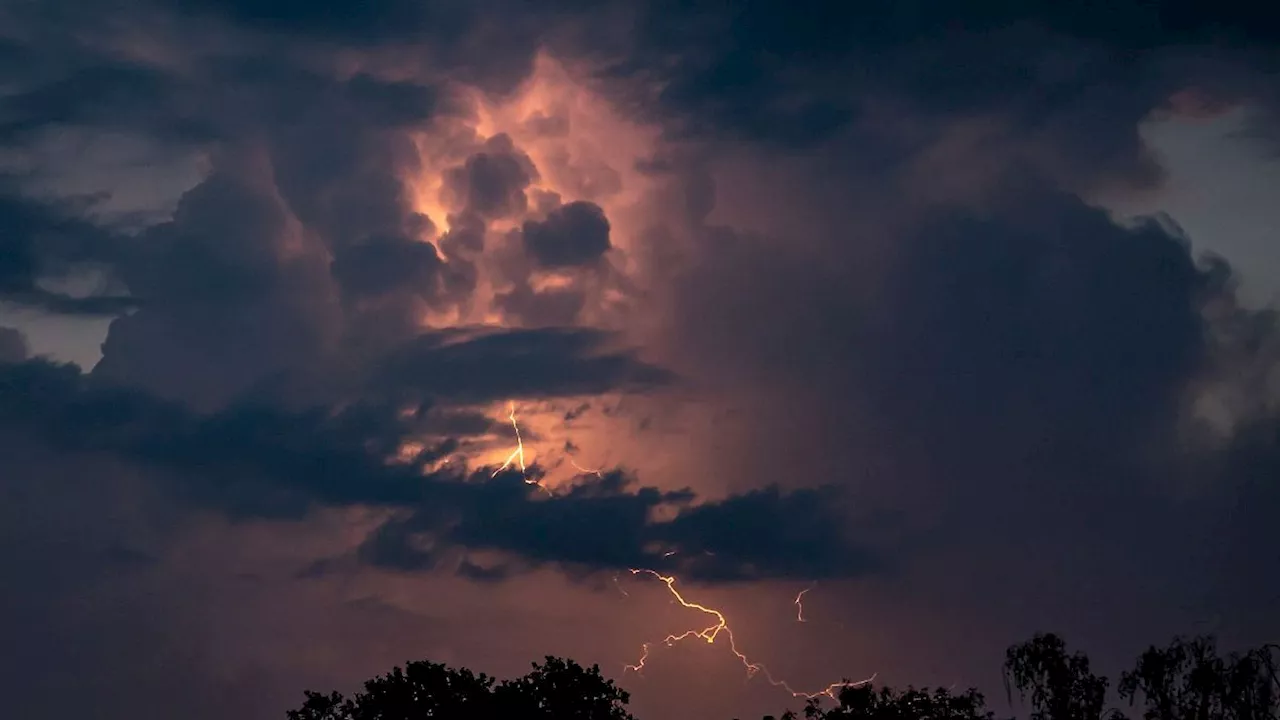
858,239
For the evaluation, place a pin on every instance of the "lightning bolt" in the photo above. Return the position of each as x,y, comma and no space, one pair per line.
714,631
799,605
709,633
517,455
581,469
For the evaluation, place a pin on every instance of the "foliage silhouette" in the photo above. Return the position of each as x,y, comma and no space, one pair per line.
1187,680
863,702
556,690
1061,685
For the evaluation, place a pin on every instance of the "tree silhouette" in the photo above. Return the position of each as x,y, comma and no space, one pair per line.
563,690
1061,685
556,690
863,702
1187,680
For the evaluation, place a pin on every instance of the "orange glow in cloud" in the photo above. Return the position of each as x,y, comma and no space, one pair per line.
582,149
524,453
721,627
517,455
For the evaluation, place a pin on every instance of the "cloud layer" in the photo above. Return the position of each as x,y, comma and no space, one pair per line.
780,294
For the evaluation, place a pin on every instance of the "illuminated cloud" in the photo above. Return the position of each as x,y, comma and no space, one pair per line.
779,295
492,182
255,462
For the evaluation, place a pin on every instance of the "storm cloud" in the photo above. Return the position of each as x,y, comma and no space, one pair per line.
575,234
427,318
255,462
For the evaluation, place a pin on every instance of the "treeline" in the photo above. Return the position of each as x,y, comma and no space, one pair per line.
1187,680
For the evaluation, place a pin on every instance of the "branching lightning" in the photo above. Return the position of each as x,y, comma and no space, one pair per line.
721,626
516,455
710,633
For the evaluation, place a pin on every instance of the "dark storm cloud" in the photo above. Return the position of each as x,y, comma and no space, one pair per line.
255,462
13,345
381,265
491,183
1073,84
738,50
806,538
571,235
481,365
1022,377
192,96
765,534
1011,375
334,146
371,21
792,74
290,144
47,241
489,43
1033,348
101,92
1047,319
229,303
507,515
799,75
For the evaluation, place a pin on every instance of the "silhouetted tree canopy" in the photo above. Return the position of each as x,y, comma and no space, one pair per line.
1188,680
1185,681
1061,685
555,690
864,702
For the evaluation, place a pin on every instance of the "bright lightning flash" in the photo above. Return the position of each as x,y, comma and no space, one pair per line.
517,455
714,631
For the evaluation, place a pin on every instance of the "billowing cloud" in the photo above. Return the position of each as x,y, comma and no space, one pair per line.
232,300
492,182
768,296
574,234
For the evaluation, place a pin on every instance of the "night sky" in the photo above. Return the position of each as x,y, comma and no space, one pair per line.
954,316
